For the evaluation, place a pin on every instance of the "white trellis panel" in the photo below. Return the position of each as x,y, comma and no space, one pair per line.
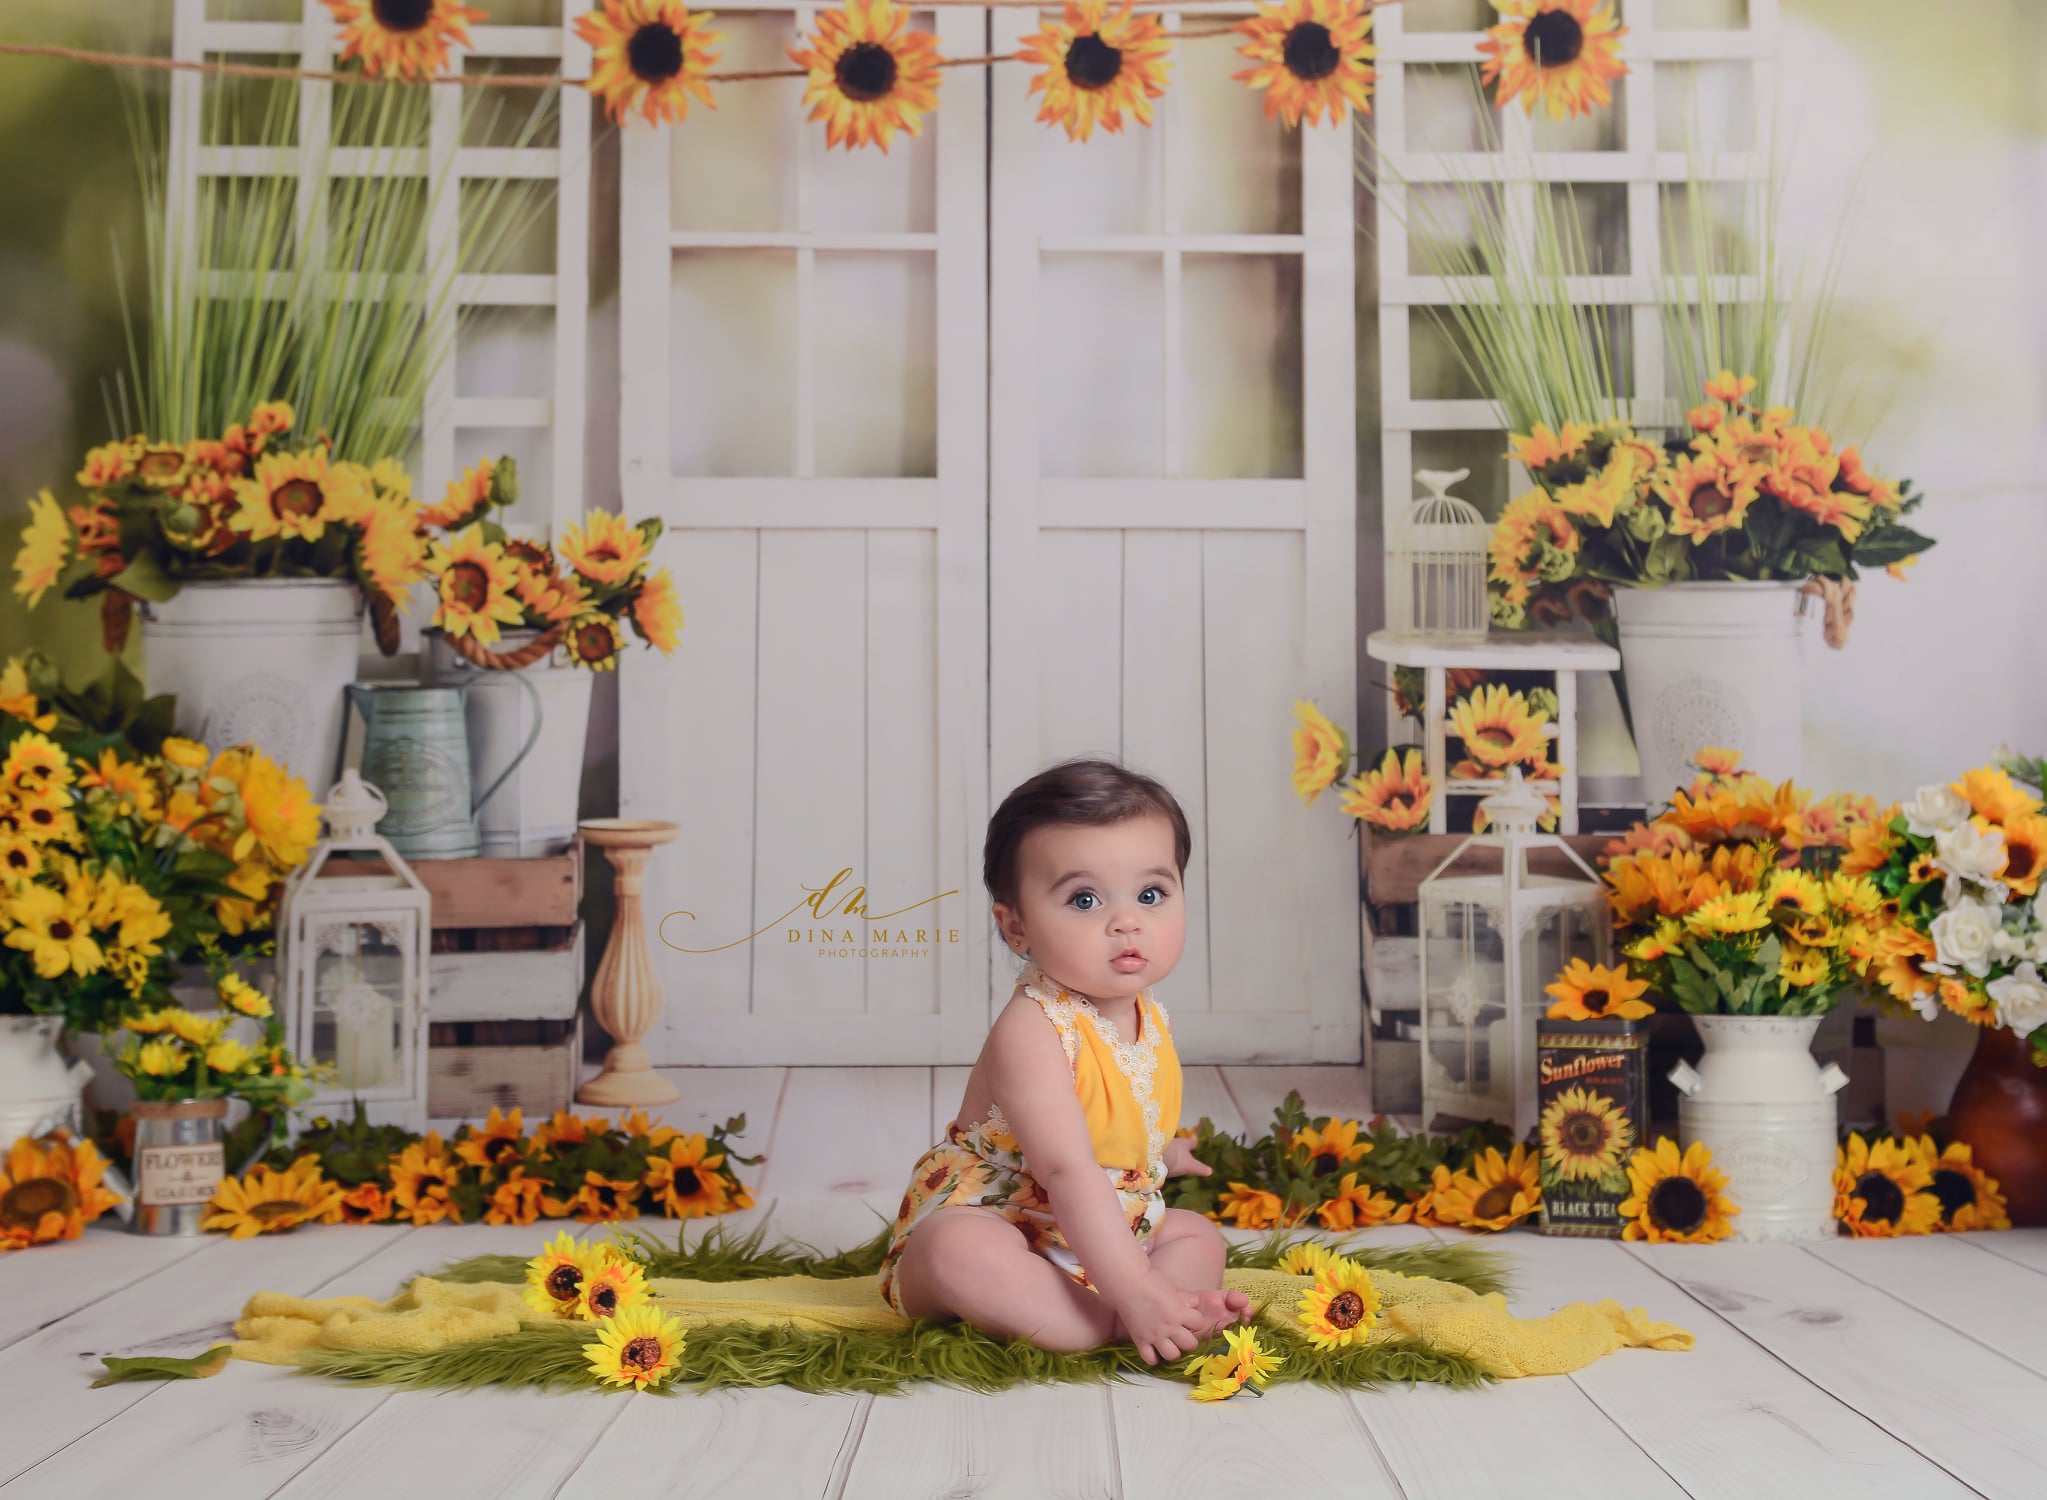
803,399
1172,558
1704,66
514,382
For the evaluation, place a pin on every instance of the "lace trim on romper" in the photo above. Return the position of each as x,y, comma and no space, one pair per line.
1137,1061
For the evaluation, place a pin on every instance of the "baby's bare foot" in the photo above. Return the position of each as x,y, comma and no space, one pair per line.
1220,1309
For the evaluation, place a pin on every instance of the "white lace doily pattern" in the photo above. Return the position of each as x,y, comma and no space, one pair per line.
1137,1061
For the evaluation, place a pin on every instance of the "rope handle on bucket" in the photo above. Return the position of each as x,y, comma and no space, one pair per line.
1838,595
479,655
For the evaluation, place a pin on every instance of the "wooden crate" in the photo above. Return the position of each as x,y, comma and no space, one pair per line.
545,891
474,1066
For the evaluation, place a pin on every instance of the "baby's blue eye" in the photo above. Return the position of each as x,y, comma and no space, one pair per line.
1085,896
1148,891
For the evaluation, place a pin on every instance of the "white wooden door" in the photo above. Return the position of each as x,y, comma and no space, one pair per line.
1172,517
803,401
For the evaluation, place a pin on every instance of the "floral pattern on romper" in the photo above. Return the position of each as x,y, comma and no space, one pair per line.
982,1166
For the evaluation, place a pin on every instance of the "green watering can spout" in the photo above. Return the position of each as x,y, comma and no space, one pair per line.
416,750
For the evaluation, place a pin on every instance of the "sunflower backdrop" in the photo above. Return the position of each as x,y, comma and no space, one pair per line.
868,75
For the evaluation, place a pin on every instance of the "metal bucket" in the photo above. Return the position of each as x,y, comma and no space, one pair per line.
416,752
179,1163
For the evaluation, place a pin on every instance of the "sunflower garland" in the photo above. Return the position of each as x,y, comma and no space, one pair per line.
1562,54
1098,66
869,76
1312,59
588,1168
652,52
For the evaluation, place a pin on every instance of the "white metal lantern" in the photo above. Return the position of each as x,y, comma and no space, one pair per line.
1491,941
352,955
1436,574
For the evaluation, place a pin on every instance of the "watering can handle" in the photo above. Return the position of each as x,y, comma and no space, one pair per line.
524,750
1687,1078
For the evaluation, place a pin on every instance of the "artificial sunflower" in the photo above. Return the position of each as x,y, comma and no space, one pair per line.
1593,992
640,1126
1676,1198
605,549
1097,65
1883,1190
686,1182
1313,58
1354,1206
657,613
519,1199
45,544
556,600
1498,727
1333,1147
1395,795
467,499
1494,1192
1220,1376
474,581
52,933
1321,751
1304,1258
651,47
1969,1197
1707,493
1342,1305
295,495
869,75
1728,914
2025,848
497,1143
50,1190
617,1286
1584,1136
401,38
1541,447
641,1349
421,1180
1993,796
244,998
594,641
365,1203
599,1200
1249,1207
566,1129
556,1276
268,1201
1563,54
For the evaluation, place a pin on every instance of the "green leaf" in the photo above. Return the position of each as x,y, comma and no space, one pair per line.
162,1366
146,579
1888,544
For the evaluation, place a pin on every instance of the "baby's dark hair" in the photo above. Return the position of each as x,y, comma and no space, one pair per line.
1087,793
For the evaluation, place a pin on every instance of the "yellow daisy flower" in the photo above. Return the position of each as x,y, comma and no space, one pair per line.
651,48
1354,1206
1725,915
466,501
1304,1258
295,495
497,1143
53,934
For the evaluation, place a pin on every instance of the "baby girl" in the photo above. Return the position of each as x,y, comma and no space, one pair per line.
1040,1215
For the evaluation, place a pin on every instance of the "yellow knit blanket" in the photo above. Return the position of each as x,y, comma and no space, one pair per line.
275,1328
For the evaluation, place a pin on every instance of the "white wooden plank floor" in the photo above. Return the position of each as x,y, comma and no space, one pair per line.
1905,1369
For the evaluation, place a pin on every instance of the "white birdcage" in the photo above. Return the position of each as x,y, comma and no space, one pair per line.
1490,943
1436,579
354,938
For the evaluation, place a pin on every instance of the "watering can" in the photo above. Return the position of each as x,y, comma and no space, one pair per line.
416,750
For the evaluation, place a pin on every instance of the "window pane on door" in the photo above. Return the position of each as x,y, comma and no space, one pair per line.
876,372
1234,170
735,167
1240,319
1101,359
732,374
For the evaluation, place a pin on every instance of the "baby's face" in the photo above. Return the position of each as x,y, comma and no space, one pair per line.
1086,896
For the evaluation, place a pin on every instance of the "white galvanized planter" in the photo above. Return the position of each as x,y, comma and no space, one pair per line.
259,661
534,812
1713,664
36,1081
1762,1104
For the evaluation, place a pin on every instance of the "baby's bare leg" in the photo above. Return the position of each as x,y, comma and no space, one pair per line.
973,1264
1188,1250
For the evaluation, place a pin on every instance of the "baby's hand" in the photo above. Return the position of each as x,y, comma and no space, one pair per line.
1161,1320
1181,1160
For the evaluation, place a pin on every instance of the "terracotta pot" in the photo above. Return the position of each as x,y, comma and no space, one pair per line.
2000,1112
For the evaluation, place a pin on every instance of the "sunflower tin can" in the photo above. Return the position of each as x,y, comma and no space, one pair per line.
1592,1090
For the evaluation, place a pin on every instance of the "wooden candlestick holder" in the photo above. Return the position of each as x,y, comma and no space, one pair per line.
625,997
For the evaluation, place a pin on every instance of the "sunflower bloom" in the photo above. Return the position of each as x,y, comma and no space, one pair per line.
497,1144
1321,751
1969,1197
45,544
686,1182
421,1180
600,1200
1341,1306
869,75
1304,1258
594,641
1498,728
606,549
1707,493
1584,1136
295,495
50,1190
1395,795
651,52
1220,1376
1676,1199
474,584
657,613
1312,57
1883,1190
268,1201
1098,66
1249,1207
1354,1206
1562,54
556,1276
401,38
617,1286
641,1349
1494,1192
1331,1148
1592,992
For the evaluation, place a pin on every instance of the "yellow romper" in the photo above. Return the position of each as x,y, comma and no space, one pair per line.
1130,1093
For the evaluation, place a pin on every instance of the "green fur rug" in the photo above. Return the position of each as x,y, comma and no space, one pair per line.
550,1355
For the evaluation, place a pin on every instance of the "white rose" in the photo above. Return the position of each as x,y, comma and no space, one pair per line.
1963,936
2007,945
1970,853
2021,998
1933,808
